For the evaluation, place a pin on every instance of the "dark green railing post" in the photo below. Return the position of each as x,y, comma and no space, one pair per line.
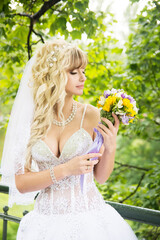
5,209
25,212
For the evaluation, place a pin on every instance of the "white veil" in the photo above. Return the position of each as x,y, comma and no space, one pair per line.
16,139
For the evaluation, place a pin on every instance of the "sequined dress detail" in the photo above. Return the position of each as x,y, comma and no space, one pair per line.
62,211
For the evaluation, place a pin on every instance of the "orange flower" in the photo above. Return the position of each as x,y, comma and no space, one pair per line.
133,113
99,105
131,120
126,102
109,102
106,107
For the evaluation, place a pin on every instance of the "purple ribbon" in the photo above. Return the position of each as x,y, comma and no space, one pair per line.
98,141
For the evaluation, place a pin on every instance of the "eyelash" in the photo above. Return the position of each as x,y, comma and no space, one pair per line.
73,73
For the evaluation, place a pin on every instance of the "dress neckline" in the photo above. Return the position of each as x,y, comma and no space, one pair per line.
81,129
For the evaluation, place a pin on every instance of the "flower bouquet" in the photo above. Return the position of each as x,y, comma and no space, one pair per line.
117,101
123,105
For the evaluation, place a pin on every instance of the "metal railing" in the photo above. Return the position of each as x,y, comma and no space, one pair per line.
138,214
7,218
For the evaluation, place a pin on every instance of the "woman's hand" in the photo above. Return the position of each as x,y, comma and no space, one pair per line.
109,134
80,164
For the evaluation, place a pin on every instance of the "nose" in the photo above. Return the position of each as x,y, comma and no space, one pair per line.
82,77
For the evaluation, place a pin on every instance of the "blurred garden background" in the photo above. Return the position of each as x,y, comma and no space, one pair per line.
122,40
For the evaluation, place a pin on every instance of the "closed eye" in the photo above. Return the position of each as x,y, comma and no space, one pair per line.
73,73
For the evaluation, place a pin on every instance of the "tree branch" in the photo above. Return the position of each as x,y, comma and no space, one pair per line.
154,139
38,34
28,39
22,15
44,8
131,166
120,171
33,19
35,43
143,175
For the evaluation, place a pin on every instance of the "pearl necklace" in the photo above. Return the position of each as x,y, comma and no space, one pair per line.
69,119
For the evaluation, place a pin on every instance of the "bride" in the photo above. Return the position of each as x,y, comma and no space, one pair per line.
46,151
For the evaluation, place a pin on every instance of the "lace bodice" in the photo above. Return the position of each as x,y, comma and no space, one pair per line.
65,196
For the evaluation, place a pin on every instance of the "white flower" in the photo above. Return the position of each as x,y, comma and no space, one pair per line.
120,90
119,104
113,90
119,94
134,103
135,109
54,59
51,64
120,112
102,100
52,52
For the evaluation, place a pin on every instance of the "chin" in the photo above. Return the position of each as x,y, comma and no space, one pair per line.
79,93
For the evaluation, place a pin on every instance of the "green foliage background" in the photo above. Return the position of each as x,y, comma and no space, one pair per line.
135,68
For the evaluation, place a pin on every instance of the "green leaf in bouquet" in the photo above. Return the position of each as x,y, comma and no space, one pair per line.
107,115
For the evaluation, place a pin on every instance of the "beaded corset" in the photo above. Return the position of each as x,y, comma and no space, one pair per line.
65,196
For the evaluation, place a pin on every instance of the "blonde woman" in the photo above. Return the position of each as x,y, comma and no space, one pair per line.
49,134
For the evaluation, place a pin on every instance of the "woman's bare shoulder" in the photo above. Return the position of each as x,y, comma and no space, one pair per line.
93,114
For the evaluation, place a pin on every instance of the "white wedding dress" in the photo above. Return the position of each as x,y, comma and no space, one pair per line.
62,211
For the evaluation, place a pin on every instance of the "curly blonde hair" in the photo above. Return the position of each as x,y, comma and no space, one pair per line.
49,81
